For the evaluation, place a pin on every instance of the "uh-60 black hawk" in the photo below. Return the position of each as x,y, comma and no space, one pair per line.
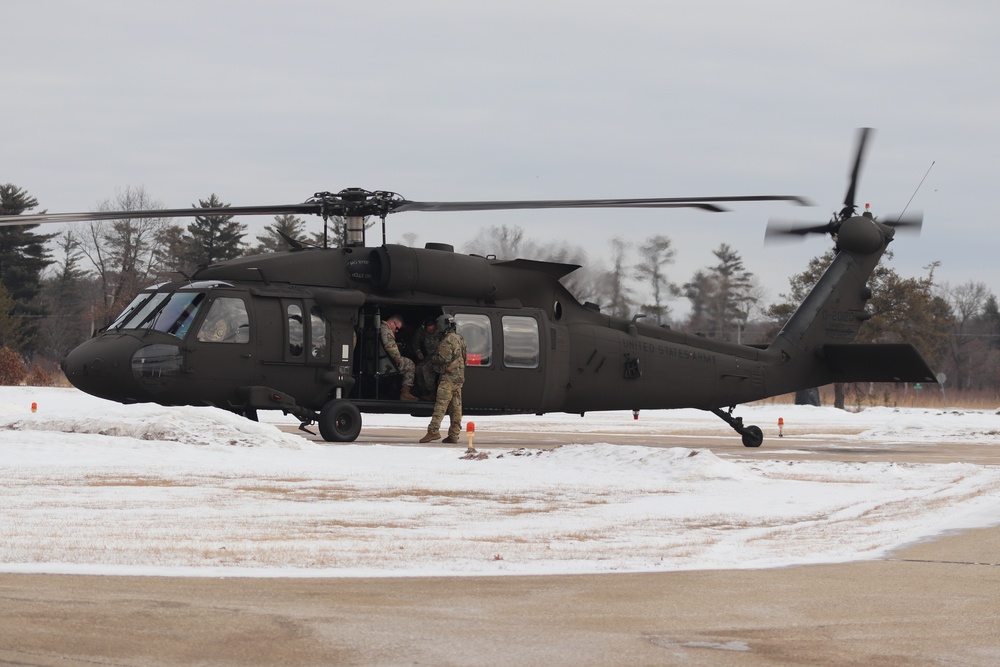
297,330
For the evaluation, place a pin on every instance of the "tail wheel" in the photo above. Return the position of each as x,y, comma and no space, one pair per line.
340,421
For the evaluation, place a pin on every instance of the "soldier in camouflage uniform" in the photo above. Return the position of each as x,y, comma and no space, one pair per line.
449,361
387,334
425,344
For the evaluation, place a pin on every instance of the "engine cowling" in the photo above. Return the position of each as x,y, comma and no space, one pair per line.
399,268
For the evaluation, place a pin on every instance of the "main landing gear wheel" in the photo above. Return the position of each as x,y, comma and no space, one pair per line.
752,435
340,421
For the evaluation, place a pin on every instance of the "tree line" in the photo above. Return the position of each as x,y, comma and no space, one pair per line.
56,290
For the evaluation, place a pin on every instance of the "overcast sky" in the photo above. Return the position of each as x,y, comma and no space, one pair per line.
267,103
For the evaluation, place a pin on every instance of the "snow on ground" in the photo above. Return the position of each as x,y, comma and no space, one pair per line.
91,486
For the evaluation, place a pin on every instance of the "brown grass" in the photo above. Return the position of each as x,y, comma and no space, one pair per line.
103,480
903,396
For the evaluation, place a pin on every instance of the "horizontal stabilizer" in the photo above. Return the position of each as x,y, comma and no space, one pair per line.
877,362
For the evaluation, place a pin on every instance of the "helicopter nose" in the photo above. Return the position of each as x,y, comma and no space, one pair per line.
101,367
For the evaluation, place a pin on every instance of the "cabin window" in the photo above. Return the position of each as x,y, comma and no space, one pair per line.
226,322
478,335
520,342
296,332
317,333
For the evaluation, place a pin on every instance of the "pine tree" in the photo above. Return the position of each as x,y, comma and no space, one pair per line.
68,295
722,297
12,325
272,240
336,232
23,257
697,291
214,238
172,257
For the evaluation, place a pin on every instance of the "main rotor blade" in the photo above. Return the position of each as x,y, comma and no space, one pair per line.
357,202
852,186
41,218
704,203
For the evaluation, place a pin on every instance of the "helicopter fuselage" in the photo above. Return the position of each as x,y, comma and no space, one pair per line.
298,331
298,343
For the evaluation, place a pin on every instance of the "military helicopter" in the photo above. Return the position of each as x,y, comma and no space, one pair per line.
297,330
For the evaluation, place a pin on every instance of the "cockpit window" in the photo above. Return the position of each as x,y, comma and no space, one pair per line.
168,312
226,322
129,309
177,313
141,316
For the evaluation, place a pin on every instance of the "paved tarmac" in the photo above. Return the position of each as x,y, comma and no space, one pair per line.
934,603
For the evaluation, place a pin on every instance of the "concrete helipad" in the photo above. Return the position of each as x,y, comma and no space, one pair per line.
936,603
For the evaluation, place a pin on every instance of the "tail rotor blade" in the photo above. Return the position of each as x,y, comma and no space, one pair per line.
910,223
862,141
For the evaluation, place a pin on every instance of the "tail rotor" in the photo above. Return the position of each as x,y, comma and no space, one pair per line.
783,229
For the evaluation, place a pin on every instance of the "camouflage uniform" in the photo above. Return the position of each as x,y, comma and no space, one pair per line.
405,366
425,344
449,361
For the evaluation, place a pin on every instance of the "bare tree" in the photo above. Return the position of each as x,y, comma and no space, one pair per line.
619,296
508,242
657,252
504,242
123,251
967,302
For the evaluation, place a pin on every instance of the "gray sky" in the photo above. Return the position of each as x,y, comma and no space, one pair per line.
267,103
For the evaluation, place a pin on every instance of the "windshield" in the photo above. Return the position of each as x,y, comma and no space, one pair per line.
129,309
169,313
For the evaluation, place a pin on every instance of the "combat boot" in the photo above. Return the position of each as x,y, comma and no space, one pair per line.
406,395
451,440
431,435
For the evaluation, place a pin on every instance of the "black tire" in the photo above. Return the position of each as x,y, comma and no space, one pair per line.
340,421
752,436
